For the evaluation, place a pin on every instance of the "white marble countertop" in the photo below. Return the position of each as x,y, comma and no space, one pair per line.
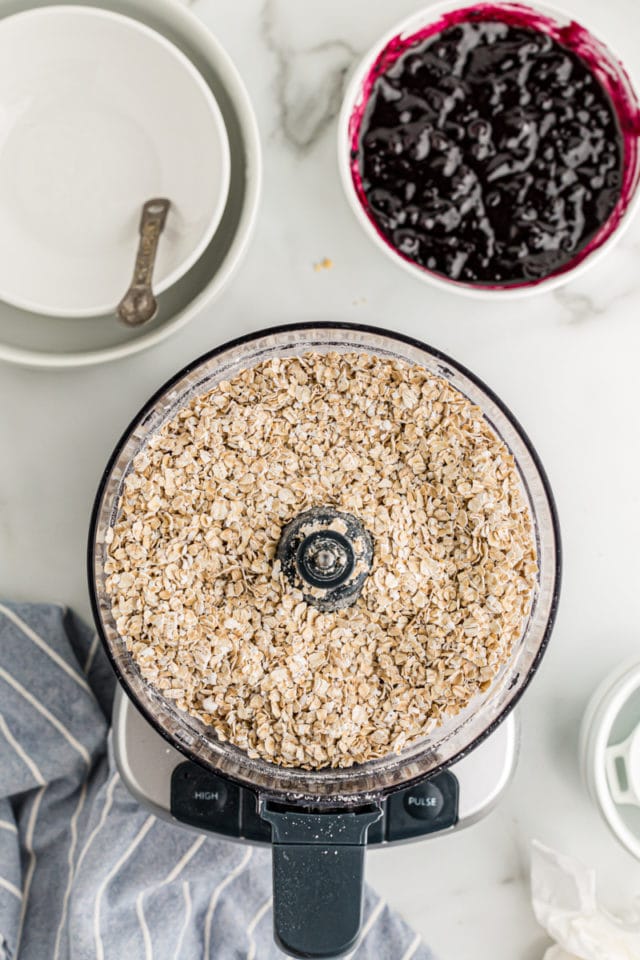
566,363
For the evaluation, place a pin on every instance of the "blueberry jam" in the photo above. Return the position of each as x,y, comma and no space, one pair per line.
489,153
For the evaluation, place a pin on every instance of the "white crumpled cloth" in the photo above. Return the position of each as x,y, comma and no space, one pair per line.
563,893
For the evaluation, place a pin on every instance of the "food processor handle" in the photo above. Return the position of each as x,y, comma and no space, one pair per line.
318,877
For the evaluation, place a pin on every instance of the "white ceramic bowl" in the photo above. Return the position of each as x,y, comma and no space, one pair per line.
611,72
99,113
610,753
44,341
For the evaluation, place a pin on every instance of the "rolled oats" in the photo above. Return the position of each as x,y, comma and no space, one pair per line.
204,608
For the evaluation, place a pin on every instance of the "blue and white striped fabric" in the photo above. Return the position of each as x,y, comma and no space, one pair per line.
85,872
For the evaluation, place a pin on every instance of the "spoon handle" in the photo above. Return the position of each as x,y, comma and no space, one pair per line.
152,221
138,304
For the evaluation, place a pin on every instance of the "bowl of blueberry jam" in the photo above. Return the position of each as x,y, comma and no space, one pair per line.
491,148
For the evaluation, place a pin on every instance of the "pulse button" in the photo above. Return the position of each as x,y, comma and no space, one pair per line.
426,807
424,802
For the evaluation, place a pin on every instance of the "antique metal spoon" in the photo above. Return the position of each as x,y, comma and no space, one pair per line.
139,304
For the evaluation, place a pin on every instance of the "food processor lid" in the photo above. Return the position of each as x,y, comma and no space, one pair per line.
324,562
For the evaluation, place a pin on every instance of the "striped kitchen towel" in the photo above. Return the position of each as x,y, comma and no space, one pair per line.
85,872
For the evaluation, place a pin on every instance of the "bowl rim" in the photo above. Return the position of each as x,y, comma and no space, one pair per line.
219,131
411,23
184,27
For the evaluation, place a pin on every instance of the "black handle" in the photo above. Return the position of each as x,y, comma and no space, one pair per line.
318,875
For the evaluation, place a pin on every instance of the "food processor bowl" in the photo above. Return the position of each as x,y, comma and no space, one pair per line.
326,794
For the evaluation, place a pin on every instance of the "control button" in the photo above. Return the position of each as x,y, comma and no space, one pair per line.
205,800
426,807
424,802
253,826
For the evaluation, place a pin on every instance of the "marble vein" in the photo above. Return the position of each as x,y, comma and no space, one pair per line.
309,82
578,307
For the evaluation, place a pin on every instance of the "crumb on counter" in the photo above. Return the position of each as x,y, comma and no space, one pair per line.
324,264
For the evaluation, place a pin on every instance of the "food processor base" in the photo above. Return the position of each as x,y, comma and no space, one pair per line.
178,790
319,822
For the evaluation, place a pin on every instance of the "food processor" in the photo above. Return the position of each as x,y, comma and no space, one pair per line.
319,822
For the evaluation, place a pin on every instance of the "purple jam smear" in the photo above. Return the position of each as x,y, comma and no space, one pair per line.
495,148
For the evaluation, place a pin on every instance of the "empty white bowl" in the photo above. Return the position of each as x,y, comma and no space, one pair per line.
99,113
42,341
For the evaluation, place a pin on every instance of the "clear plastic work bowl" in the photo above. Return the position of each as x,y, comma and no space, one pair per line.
446,743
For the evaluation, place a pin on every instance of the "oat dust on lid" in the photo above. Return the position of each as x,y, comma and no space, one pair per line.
201,602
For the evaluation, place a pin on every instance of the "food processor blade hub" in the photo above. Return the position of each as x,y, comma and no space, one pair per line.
328,555
325,559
